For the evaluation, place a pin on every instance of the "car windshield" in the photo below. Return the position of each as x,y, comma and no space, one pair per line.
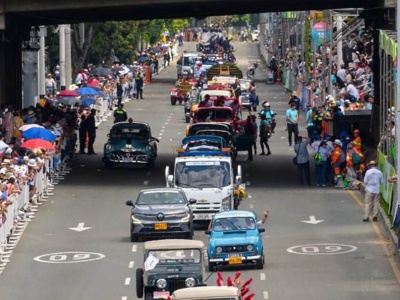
137,131
190,60
203,174
244,84
214,114
235,223
184,256
159,198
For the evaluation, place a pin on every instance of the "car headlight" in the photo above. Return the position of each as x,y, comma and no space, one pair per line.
218,249
108,146
161,283
250,247
148,148
190,282
226,203
136,221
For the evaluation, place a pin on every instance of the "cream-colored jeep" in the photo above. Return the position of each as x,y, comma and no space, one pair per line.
208,293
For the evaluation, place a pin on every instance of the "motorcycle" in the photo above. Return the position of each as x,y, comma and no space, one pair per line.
252,70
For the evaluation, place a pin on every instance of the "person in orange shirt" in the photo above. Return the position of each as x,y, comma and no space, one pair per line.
355,160
336,159
356,142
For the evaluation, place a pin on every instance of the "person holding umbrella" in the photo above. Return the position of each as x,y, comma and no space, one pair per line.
139,85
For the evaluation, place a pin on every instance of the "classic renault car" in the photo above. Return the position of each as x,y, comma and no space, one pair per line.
161,212
130,143
170,265
235,239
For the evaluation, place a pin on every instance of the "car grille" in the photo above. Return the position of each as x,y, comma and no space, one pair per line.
175,284
236,248
206,207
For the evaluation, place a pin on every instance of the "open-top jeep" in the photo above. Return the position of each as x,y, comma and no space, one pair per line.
170,265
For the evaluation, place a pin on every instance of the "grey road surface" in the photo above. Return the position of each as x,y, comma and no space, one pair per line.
338,258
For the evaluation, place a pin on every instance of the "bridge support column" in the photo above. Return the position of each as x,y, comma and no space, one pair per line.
30,69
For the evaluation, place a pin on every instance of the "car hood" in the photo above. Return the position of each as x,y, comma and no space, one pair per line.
234,239
155,209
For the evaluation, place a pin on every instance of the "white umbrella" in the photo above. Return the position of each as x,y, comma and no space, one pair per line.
28,126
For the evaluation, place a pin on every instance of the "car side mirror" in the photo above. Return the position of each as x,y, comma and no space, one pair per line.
260,230
192,201
129,203
207,232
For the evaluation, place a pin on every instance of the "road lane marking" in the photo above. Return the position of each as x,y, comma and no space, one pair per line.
249,196
127,281
166,123
131,264
251,206
265,295
262,276
162,130
378,232
134,248
145,182
163,127
124,298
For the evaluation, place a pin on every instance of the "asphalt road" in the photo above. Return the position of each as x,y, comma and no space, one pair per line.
338,258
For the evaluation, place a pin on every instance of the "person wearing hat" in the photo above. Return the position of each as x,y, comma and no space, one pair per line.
30,117
373,180
139,85
292,117
50,84
269,114
356,142
81,78
198,69
294,100
336,160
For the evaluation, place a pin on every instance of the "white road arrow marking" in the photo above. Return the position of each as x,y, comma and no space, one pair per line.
81,227
313,221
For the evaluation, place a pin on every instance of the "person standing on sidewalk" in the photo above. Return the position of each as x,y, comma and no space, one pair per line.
373,180
302,159
292,117
91,129
139,86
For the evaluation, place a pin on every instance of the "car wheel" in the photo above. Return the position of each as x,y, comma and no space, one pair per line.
260,263
139,283
211,266
173,101
149,296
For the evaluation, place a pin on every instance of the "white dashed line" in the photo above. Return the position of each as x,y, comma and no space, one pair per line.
251,206
265,295
162,130
127,281
163,127
145,182
131,264
166,123
282,137
249,196
179,133
161,133
159,137
262,276
124,298
134,248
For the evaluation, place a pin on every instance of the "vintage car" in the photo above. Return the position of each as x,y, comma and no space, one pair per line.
179,93
130,143
203,145
245,95
161,212
214,114
235,238
170,265
208,293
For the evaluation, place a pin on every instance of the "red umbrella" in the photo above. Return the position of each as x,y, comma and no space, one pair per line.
66,93
37,143
93,82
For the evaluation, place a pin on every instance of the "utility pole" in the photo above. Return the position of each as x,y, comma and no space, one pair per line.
68,80
42,62
62,56
339,26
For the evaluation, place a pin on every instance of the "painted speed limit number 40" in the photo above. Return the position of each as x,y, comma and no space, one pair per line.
322,249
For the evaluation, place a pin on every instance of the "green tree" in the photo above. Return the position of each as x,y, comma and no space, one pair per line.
307,43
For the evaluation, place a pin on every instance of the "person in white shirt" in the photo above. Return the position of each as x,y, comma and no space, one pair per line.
342,72
352,92
198,69
373,180
50,84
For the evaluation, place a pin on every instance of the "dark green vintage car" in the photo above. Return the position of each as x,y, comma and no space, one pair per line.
130,143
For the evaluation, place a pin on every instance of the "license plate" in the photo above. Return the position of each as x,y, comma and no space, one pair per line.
174,93
160,226
235,260
161,295
127,159
203,216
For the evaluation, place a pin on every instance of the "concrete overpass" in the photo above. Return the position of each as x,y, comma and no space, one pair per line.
17,16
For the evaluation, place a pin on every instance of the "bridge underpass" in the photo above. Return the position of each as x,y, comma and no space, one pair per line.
17,17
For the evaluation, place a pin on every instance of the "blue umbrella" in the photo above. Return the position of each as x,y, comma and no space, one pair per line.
88,101
100,93
39,133
143,59
86,91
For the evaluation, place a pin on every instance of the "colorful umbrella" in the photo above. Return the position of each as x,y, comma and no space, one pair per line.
66,93
88,101
29,126
39,133
86,91
66,100
37,143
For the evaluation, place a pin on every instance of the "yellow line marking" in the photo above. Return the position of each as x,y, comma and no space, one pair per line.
378,232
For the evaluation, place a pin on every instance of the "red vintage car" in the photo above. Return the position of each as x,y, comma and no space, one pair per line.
180,90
